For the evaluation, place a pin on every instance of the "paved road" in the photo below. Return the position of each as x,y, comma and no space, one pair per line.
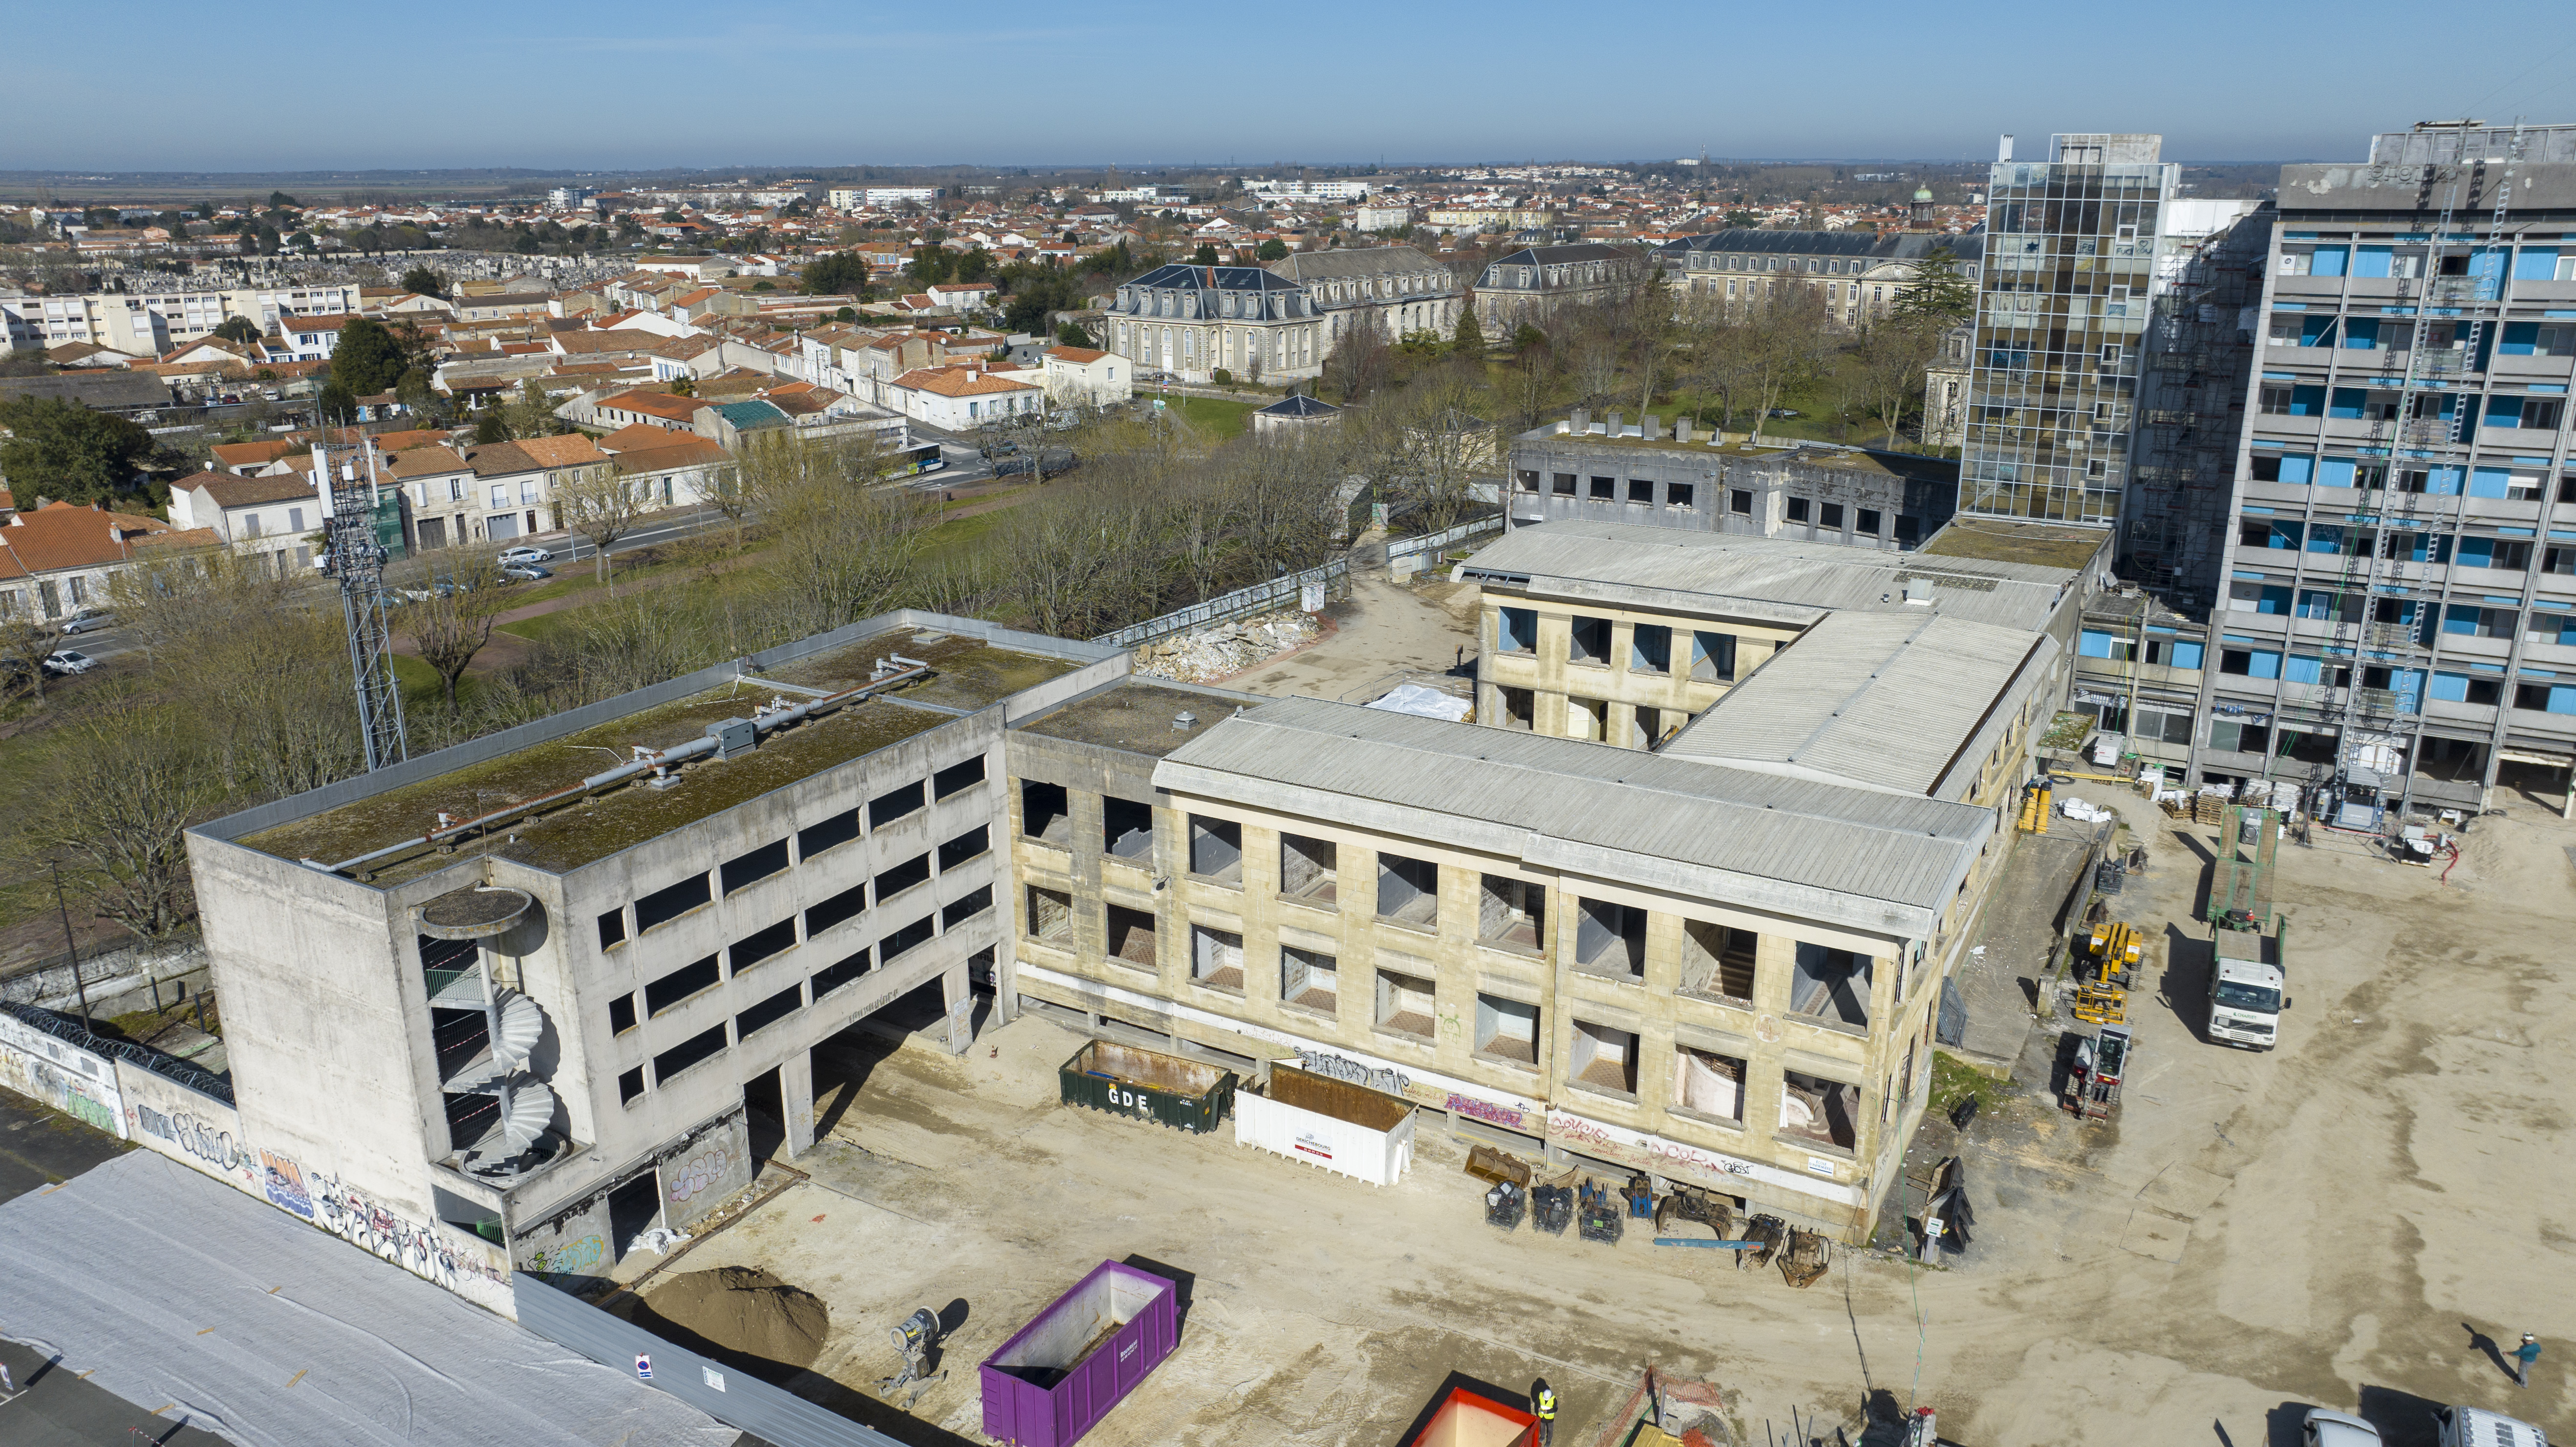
39,1147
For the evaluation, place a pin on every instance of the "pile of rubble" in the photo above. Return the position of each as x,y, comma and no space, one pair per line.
1226,649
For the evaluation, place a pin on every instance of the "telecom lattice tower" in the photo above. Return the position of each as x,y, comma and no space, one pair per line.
357,559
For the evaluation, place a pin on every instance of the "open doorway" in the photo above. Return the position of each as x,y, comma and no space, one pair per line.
632,1209
764,1108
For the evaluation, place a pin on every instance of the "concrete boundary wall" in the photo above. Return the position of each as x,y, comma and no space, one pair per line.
731,1397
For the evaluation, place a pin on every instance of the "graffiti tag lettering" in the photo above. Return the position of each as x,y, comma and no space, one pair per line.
1486,1110
694,1175
284,1181
571,1258
1393,1082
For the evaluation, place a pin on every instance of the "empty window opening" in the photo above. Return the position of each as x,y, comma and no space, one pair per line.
1127,829
1307,868
762,944
1309,980
1131,937
1408,890
1587,718
664,905
1610,939
621,1014
833,977
1512,913
814,838
842,907
680,984
1562,484
1520,708
1713,657
966,906
1641,489
1709,1084
1604,489
1216,958
1717,961
1216,849
894,804
1818,1110
909,874
1650,649
1050,914
970,845
1515,630
1682,496
1588,640
1798,509
769,1012
630,1085
1404,1004
754,865
1507,1030
1046,814
1868,522
1832,515
919,932
612,928
691,1051
1739,501
957,777
1831,985
1604,1058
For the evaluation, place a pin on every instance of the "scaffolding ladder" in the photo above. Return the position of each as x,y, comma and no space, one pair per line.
2241,883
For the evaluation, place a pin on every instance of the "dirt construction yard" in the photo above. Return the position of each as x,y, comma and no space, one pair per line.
2351,1221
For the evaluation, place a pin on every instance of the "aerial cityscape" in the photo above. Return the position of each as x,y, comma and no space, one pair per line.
1758,795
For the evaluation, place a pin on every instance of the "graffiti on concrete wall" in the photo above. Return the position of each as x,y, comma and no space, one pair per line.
1392,1082
62,1075
283,1180
208,1145
570,1258
1486,1110
688,1179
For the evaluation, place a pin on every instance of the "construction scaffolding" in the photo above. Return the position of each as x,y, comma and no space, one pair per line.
2241,884
2384,600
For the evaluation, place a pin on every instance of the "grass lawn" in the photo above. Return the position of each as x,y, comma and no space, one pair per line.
1953,1081
420,686
1215,418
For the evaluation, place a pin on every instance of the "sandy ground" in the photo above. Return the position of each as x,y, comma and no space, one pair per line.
1382,636
2343,1222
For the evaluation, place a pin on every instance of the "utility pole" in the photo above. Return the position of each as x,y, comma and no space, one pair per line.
71,947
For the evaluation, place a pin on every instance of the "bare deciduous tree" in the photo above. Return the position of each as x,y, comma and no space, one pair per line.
450,619
1892,355
122,785
603,505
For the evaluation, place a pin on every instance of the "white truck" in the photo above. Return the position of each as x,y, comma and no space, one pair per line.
2247,987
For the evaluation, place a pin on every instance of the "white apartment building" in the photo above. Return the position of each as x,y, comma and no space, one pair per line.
853,198
151,323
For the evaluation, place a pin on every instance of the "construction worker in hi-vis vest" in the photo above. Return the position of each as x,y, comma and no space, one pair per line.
1543,1404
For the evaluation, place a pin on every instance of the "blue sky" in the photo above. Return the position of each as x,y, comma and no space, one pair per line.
296,85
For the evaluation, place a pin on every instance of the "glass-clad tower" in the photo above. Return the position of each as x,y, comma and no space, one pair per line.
2061,322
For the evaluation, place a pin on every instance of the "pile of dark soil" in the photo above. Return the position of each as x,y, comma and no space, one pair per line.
741,1316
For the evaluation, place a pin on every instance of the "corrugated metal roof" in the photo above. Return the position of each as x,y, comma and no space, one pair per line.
1886,700
1866,858
1736,575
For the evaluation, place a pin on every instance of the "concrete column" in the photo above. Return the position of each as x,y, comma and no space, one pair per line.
960,997
796,1095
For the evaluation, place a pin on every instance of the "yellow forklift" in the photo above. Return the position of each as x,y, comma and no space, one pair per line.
2102,985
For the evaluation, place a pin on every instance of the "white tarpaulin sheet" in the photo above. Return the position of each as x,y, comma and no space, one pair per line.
169,1287
1414,698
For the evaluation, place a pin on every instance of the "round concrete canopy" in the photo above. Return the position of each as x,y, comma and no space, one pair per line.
474,913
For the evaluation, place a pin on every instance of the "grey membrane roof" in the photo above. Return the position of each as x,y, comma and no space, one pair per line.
1864,858
1779,579
1910,702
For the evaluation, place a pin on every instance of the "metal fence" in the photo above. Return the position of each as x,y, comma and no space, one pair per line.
729,1396
1432,543
143,1056
1255,599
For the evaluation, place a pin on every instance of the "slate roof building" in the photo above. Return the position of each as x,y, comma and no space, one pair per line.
1531,284
1194,321
1857,274
1405,290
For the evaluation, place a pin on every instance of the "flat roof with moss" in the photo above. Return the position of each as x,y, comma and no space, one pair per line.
1805,453
967,672
1136,713
2013,540
586,830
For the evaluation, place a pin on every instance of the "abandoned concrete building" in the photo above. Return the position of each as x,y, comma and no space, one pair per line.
1716,962
1623,634
1636,472
522,999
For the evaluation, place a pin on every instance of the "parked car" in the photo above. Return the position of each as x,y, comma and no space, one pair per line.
89,620
69,660
2323,1428
513,556
1784,412
527,573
